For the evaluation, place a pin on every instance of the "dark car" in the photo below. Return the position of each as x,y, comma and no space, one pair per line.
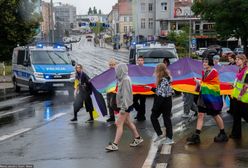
238,51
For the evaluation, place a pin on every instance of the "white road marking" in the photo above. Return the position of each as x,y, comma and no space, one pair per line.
57,116
177,106
4,137
25,97
161,165
177,98
12,112
166,149
151,155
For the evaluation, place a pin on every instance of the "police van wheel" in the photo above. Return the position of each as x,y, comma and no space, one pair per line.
32,91
16,87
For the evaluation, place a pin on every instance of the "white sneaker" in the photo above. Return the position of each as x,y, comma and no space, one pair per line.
136,142
185,116
168,141
158,138
111,147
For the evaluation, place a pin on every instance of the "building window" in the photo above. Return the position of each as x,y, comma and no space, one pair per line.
125,29
150,7
143,23
130,19
130,29
164,6
143,7
125,19
150,23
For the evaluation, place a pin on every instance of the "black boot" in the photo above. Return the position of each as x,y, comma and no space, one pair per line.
75,117
221,137
194,139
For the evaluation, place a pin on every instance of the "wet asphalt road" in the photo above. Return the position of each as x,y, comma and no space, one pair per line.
36,130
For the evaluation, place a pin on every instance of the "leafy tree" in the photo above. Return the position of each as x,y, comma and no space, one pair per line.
230,17
90,12
94,10
19,23
99,12
181,40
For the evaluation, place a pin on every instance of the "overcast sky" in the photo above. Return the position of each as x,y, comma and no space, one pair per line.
83,5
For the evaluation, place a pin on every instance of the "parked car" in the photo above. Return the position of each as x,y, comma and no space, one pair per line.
238,51
200,51
225,51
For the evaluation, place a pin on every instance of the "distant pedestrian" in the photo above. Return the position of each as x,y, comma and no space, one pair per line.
209,101
111,97
139,100
124,99
83,90
162,104
240,97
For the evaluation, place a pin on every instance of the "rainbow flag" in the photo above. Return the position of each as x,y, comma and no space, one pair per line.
210,91
184,70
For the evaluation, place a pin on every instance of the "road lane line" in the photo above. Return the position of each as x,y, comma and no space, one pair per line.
161,165
4,137
151,155
12,112
166,149
57,116
25,97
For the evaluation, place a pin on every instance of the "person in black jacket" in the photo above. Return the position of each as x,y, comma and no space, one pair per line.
162,104
83,90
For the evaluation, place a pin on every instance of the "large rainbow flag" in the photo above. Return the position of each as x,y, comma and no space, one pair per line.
185,70
182,71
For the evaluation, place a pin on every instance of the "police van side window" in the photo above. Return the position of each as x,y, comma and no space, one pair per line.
21,57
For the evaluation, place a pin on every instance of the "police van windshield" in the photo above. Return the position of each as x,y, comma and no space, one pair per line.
49,57
151,59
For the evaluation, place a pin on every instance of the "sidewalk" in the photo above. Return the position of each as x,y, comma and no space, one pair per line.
5,82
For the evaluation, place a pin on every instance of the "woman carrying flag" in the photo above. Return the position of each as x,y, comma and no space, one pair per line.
209,101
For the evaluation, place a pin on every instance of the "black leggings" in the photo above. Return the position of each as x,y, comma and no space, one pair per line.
162,106
241,111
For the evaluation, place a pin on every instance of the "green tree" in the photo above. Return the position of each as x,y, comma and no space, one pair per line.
99,12
19,23
230,17
181,40
90,12
94,10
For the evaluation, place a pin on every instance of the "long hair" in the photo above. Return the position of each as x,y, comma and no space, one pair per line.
160,72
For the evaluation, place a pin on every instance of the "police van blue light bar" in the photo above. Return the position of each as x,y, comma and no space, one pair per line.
38,45
57,46
47,76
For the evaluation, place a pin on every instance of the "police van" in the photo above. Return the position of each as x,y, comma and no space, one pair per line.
42,68
153,53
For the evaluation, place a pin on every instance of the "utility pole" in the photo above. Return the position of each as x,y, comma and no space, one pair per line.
190,34
52,21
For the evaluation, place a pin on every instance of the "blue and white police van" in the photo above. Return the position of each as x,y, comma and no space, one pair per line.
42,68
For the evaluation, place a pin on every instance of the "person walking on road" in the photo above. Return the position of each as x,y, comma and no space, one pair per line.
162,104
139,101
209,101
124,99
83,90
240,97
111,97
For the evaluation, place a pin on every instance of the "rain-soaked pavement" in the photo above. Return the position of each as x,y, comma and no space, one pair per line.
37,130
